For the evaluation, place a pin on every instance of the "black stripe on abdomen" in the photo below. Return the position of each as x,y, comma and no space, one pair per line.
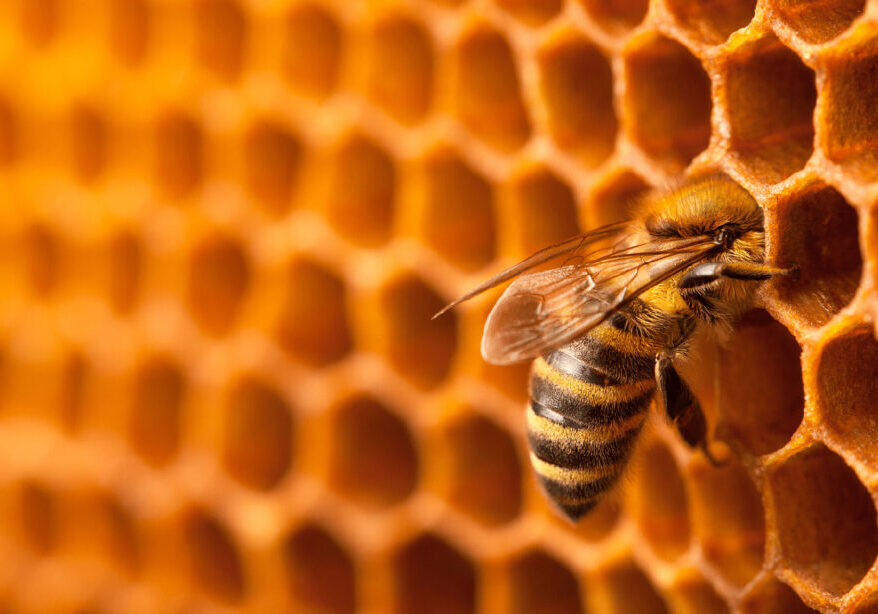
580,412
574,453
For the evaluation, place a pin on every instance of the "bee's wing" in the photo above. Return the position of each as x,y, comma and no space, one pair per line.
570,248
545,310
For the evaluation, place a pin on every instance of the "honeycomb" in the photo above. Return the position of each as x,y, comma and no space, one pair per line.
226,224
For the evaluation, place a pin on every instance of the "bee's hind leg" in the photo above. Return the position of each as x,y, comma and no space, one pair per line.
709,272
681,406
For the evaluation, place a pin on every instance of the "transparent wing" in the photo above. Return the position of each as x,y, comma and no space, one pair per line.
545,310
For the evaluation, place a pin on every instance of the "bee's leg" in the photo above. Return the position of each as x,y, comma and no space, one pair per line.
681,405
709,272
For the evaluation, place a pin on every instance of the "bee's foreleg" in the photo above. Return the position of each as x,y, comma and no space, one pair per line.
709,272
681,405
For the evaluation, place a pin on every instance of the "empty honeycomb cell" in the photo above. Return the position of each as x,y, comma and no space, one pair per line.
670,124
616,16
73,383
432,577
712,21
773,597
818,22
320,574
577,85
42,260
487,94
539,584
483,472
543,211
313,326
313,49
623,589
459,214
697,597
219,277
374,459
158,394
214,563
821,238
728,519
126,260
38,516
8,134
770,96
658,500
847,387
849,113
39,20
129,29
533,12
615,198
361,202
179,155
761,398
221,36
419,348
258,434
90,144
401,70
273,160
825,520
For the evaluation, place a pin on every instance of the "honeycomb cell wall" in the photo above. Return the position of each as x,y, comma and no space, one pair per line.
226,224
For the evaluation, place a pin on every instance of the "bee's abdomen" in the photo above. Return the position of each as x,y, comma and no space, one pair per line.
581,426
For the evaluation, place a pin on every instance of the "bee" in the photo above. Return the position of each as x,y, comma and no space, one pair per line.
606,326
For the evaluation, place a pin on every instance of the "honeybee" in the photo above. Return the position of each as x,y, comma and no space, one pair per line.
605,327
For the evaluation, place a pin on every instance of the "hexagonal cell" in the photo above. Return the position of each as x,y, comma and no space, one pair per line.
820,236
39,21
221,35
670,124
400,78
760,395
849,113
531,12
89,144
658,499
154,426
481,470
73,384
825,520
219,277
42,254
623,589
432,577
38,516
361,199
458,219
770,97
538,583
695,596
543,211
420,349
258,435
847,386
374,459
487,96
9,144
773,597
273,158
313,48
126,260
313,325
130,23
615,198
818,22
712,21
179,155
577,85
616,16
319,572
214,563
728,520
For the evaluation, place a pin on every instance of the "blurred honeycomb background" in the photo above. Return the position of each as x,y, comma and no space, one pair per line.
225,225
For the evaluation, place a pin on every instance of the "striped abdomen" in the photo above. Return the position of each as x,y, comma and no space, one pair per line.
588,402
